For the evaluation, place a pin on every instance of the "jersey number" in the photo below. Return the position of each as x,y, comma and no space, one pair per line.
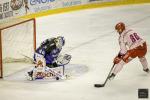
134,37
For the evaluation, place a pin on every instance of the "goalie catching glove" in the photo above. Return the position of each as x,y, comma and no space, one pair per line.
63,59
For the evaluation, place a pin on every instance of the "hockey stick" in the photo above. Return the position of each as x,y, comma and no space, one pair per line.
31,60
57,74
102,85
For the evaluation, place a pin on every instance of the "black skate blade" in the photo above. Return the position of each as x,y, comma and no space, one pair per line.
98,85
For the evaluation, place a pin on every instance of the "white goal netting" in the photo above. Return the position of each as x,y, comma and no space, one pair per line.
17,41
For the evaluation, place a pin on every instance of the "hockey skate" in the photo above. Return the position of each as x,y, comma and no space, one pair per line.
29,75
146,70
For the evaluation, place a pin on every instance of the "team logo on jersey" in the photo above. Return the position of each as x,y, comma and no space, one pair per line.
16,4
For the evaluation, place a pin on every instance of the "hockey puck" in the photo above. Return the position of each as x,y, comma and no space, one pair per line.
57,78
98,85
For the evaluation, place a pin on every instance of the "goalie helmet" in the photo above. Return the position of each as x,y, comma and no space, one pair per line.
60,41
120,27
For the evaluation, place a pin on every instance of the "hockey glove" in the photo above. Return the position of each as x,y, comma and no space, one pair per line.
117,60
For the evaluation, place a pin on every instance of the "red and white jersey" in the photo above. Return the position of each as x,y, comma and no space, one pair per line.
129,40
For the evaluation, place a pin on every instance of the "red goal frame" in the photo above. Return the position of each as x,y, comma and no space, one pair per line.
15,24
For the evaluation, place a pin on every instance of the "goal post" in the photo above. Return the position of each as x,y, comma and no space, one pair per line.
1,68
17,44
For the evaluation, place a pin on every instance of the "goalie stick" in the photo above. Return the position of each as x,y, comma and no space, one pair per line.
57,74
31,60
102,85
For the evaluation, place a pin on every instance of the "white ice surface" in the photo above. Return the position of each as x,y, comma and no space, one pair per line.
92,41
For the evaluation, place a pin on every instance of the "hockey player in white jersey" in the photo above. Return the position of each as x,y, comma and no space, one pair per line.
131,46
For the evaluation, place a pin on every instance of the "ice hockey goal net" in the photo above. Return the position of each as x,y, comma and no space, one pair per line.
17,44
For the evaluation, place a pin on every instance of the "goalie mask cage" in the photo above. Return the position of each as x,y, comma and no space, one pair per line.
17,43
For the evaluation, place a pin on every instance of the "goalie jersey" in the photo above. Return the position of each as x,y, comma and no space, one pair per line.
48,50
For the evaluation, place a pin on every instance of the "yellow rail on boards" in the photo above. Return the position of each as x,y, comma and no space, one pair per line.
86,6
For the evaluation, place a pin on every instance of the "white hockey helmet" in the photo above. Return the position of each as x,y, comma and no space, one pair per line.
60,41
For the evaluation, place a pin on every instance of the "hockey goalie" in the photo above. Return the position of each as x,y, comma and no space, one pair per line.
47,57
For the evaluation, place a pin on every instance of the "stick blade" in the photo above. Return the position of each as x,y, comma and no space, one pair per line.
98,85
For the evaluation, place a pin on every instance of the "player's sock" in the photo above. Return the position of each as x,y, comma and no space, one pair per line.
144,63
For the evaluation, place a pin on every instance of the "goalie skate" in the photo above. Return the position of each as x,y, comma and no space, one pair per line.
29,76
